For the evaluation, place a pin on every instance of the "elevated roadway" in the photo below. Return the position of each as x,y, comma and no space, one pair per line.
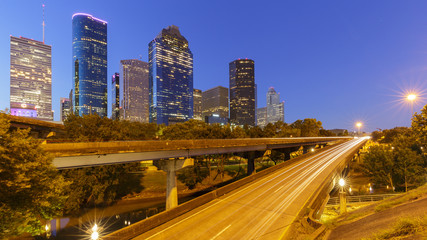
87,154
263,209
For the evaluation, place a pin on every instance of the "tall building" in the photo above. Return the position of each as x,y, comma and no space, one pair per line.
171,77
134,90
89,65
197,104
215,101
242,92
275,108
115,96
30,78
261,117
65,105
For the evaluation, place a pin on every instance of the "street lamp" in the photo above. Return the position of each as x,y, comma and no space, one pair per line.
358,125
95,234
343,198
411,98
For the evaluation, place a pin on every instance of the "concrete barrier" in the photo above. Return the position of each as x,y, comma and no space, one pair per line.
144,225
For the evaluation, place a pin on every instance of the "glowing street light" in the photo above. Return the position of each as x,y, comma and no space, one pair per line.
358,125
411,98
95,234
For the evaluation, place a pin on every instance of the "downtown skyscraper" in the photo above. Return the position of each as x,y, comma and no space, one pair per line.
30,78
242,92
275,108
171,77
134,90
115,96
215,102
89,65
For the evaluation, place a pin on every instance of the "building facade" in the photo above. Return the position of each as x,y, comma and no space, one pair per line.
171,77
261,117
115,96
242,92
134,90
89,64
197,104
215,101
275,108
66,107
30,78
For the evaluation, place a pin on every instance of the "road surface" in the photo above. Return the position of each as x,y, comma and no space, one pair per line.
261,210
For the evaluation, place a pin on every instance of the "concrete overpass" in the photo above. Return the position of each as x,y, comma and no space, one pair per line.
171,156
39,129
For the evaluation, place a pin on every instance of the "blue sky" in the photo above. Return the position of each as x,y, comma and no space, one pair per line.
336,61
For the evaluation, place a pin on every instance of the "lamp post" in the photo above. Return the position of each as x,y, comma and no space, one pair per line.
411,98
343,198
358,125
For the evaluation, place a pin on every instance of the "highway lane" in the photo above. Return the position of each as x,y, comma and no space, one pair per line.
261,210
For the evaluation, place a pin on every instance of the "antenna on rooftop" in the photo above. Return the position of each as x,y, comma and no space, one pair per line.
43,23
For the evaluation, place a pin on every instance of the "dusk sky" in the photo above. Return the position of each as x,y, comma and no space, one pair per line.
337,61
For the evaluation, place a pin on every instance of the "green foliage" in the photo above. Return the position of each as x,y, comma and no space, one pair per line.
96,186
378,164
309,127
404,226
193,175
31,188
94,128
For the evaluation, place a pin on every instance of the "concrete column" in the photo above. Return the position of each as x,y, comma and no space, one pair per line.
58,225
343,202
171,190
170,166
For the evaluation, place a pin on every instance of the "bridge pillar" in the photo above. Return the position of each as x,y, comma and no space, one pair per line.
287,152
170,166
251,156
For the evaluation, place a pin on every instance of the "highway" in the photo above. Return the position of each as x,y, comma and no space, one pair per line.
263,209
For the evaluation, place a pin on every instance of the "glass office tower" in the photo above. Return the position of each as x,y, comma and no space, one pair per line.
89,65
134,92
170,78
115,96
275,108
30,78
242,92
197,104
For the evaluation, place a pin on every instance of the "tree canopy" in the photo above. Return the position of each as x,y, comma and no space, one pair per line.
30,187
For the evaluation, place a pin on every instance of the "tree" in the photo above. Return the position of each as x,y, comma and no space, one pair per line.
30,186
309,127
419,128
102,185
379,163
193,175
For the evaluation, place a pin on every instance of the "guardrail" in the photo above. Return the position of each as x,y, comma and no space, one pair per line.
361,198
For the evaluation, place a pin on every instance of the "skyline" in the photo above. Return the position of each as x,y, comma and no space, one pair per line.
352,58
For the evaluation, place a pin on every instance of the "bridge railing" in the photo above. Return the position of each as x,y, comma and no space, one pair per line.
361,198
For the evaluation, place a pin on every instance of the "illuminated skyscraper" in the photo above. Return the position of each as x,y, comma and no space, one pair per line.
215,101
115,96
89,65
242,92
171,77
261,117
65,108
275,108
30,78
134,90
197,104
